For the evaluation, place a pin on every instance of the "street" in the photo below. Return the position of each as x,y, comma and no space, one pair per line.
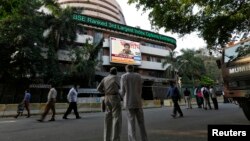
159,123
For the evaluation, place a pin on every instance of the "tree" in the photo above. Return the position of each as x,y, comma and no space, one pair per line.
194,67
60,32
85,62
171,61
20,38
21,28
214,19
207,81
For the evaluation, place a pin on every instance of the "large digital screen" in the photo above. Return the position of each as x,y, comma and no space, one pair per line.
125,51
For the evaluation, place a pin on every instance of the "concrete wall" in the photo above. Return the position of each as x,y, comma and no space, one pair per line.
8,110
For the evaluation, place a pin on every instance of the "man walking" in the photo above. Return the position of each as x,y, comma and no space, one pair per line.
72,98
131,90
174,93
188,98
214,97
113,116
26,101
50,105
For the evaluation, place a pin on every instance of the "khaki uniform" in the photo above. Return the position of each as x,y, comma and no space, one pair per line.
113,115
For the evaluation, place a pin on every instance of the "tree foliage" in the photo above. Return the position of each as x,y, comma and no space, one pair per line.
192,65
171,61
20,37
207,81
214,19
59,32
85,61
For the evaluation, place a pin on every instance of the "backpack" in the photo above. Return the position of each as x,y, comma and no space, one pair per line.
205,93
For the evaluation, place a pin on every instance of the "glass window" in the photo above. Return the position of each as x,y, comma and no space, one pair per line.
158,60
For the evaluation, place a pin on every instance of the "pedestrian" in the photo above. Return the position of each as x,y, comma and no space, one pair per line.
113,116
26,101
199,98
188,98
214,97
72,99
174,94
206,97
131,91
50,105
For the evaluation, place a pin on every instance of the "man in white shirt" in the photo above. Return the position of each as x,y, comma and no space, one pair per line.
206,96
50,105
131,91
72,99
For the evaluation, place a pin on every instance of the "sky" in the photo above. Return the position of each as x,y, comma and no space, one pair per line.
135,18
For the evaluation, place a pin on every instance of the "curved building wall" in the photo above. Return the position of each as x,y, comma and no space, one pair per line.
104,9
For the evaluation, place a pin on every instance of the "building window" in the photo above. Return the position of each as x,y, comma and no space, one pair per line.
97,37
158,60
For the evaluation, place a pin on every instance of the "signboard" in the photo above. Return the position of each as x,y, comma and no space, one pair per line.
123,28
125,51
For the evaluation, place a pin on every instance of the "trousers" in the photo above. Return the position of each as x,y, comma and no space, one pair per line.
113,118
133,115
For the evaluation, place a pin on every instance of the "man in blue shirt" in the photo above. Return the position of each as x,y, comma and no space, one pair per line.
174,94
26,101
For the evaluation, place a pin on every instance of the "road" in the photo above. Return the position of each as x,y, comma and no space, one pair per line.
160,125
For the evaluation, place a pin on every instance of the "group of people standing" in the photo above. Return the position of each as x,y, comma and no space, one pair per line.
130,90
203,95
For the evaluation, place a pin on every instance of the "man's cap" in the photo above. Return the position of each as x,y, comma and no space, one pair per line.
113,70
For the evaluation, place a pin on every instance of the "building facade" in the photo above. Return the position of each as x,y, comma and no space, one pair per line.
105,9
103,19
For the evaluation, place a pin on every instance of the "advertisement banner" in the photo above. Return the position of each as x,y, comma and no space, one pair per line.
125,51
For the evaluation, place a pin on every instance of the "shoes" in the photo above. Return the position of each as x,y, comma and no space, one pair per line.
52,119
173,115
180,116
28,116
78,117
40,120
65,118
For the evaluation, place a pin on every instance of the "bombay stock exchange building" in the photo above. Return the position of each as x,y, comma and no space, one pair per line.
104,19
